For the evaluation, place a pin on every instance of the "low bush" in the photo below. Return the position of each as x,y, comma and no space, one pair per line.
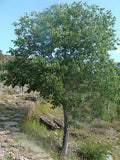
93,151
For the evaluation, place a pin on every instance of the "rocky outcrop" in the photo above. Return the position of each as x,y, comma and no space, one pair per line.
32,97
51,121
57,120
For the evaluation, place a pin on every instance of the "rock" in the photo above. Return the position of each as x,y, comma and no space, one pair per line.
16,89
52,121
8,140
36,152
8,112
22,158
83,135
32,97
10,124
44,118
3,103
18,115
18,135
20,103
2,149
4,118
17,119
4,132
56,133
13,108
77,135
109,157
14,129
99,141
74,134
58,121
14,143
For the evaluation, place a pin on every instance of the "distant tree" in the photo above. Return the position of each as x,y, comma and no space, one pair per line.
65,48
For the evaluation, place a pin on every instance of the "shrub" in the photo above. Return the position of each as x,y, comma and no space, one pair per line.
1,67
93,151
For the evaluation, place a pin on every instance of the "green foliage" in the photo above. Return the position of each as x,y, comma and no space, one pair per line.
16,71
118,111
110,112
1,67
93,151
104,108
71,43
9,157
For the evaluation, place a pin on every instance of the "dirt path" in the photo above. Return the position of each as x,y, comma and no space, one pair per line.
14,144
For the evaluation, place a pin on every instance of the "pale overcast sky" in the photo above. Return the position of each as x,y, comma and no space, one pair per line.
11,10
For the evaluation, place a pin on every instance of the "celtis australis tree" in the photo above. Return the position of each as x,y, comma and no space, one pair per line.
65,47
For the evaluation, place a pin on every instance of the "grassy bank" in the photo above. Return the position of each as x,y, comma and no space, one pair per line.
88,141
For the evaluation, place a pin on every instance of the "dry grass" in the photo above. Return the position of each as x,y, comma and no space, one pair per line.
96,132
99,132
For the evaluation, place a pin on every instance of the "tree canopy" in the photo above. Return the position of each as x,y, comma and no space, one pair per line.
62,49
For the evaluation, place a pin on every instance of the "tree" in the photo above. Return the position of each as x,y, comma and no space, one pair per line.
66,47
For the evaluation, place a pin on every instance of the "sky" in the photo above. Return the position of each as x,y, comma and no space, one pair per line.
11,10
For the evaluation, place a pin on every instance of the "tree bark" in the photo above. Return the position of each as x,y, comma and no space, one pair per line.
66,133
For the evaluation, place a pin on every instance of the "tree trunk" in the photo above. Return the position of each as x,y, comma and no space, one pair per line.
66,133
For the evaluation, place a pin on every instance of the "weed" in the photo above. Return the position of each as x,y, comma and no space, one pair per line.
9,157
93,151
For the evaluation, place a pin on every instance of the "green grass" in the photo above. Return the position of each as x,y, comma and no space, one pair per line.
93,151
43,137
9,157
50,140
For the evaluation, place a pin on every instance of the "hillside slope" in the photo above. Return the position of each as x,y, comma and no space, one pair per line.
14,145
27,140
